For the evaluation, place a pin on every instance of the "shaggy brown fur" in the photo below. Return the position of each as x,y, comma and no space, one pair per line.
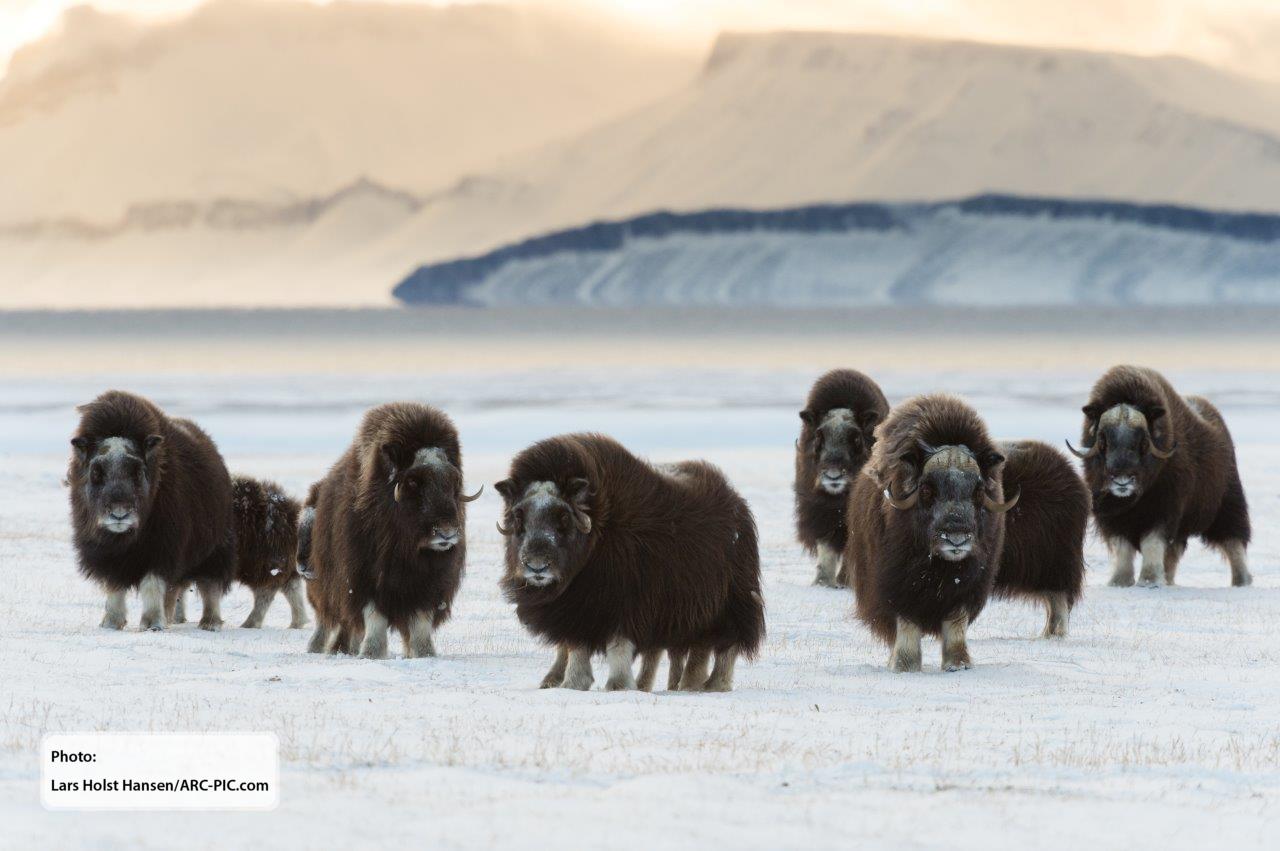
657,557
837,445
388,545
1043,557
898,577
1196,491
266,520
170,476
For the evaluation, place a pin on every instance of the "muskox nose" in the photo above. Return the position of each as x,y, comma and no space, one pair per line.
445,536
957,539
537,570
833,473
120,512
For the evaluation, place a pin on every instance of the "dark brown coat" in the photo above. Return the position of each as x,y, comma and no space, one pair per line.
830,453
664,557
185,531
378,514
890,555
1182,458
266,520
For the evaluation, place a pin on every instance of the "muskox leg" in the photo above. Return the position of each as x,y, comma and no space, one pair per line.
211,592
1154,546
116,613
555,676
151,591
578,671
262,598
955,653
648,669
828,567
721,678
1122,554
374,645
620,654
350,639
1057,615
320,639
180,605
695,674
1172,557
296,595
418,643
675,669
905,656
173,605
1235,551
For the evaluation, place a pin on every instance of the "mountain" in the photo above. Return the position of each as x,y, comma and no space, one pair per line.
986,250
279,102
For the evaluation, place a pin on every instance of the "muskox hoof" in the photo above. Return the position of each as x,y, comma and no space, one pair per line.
301,623
620,684
714,685
210,625
1242,581
251,623
551,681
1149,582
112,622
577,683
959,665
903,664
1121,581
151,623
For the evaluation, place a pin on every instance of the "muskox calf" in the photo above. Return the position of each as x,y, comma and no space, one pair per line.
1161,468
836,436
1043,556
926,528
151,509
266,522
608,553
388,540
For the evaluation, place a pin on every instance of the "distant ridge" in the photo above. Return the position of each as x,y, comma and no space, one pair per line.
565,266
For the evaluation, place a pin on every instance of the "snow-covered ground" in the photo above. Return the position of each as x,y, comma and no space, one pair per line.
1156,724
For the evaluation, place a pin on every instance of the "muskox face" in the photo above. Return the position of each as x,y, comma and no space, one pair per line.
427,489
839,445
951,504
117,481
548,528
1121,449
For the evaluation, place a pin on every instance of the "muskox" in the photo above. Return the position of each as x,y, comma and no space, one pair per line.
266,522
388,541
608,553
1043,555
837,433
1161,468
926,528
151,509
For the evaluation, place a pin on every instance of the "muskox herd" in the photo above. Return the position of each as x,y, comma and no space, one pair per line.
916,507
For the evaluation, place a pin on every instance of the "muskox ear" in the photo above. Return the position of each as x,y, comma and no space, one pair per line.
393,456
991,460
1154,413
152,443
868,420
81,446
809,417
507,488
578,493
1092,412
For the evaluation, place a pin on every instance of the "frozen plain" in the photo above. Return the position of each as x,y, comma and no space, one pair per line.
1157,723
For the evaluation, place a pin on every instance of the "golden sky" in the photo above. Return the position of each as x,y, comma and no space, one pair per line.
1241,34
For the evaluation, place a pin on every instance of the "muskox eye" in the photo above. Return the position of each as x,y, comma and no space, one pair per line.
926,492
564,522
95,475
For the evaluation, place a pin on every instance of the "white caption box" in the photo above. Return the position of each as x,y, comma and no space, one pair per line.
160,771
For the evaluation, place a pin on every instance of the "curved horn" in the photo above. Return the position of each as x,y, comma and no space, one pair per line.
907,502
1000,507
1162,454
1092,450
397,492
473,496
505,531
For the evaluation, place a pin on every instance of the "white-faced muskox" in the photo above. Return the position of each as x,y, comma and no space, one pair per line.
266,521
837,433
927,528
1161,469
1043,555
608,553
388,544
151,509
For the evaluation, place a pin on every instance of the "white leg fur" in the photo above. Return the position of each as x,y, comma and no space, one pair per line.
1057,615
555,676
905,656
210,605
180,605
297,598
828,567
721,678
1240,576
1172,557
578,673
116,613
694,677
151,591
262,599
418,643
648,670
620,654
319,642
955,652
1153,550
675,669
1122,555
374,645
